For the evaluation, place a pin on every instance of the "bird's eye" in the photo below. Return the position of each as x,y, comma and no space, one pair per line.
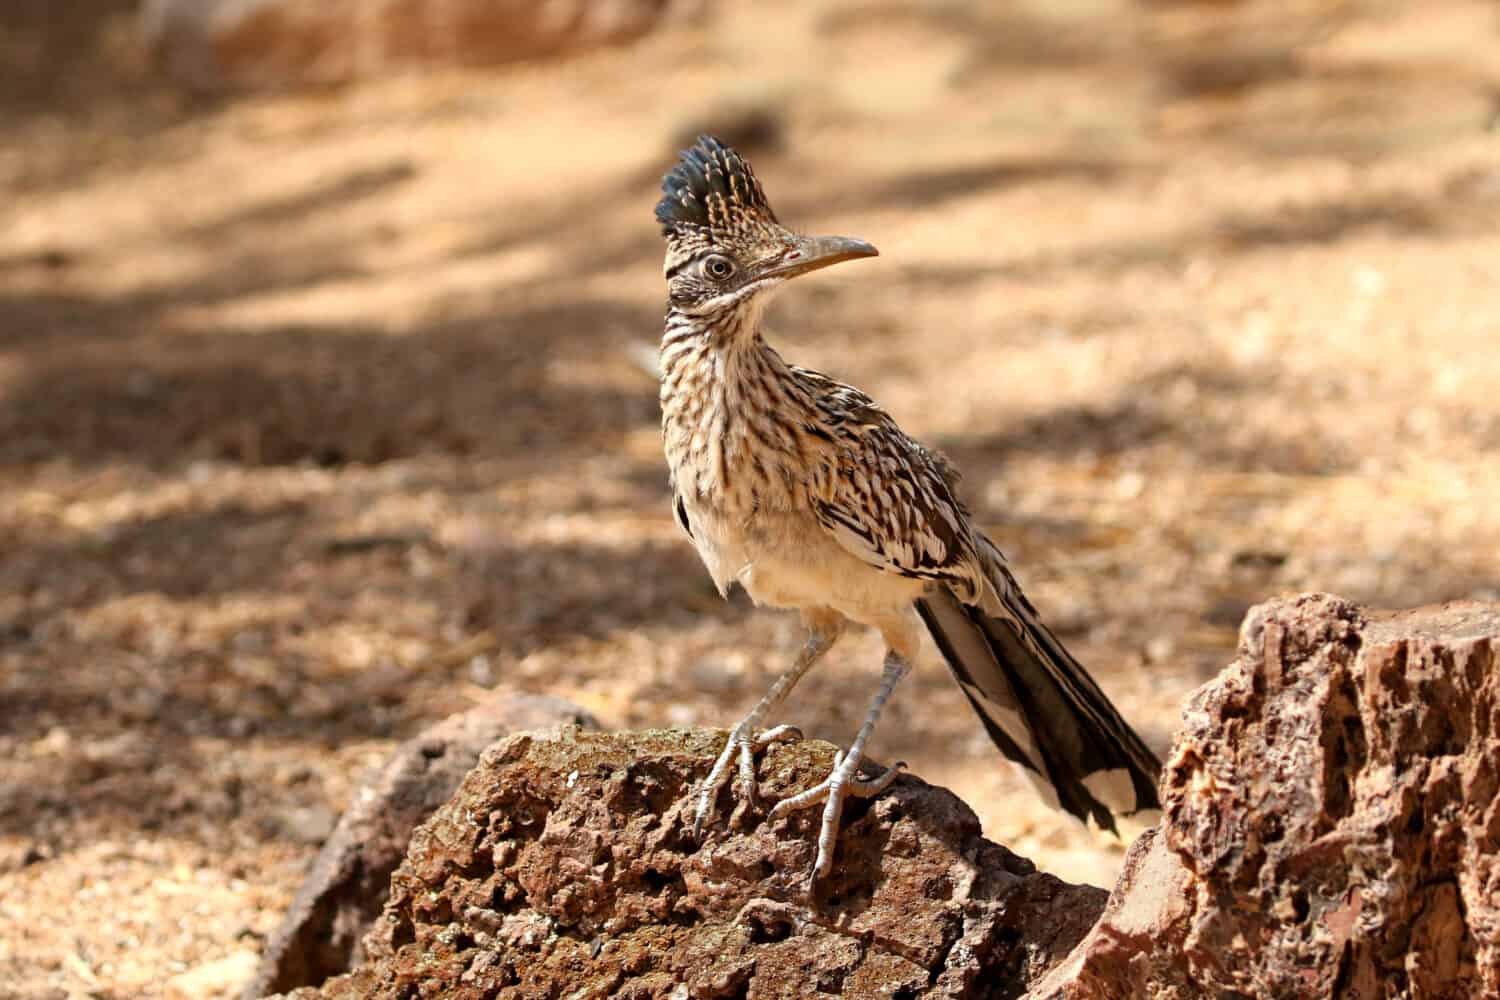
718,267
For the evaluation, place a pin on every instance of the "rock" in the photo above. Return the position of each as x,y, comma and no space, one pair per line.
564,866
1331,820
348,883
223,45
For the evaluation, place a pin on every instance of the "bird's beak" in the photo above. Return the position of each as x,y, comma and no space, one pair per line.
813,252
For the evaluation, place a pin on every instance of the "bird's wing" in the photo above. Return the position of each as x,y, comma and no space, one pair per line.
884,497
890,501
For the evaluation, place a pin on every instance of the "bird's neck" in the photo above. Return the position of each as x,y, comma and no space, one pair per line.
726,399
725,341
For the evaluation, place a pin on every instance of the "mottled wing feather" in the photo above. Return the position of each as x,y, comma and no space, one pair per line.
884,497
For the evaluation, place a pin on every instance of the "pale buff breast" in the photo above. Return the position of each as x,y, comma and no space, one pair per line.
788,560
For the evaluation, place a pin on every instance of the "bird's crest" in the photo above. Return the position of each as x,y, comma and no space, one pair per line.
711,194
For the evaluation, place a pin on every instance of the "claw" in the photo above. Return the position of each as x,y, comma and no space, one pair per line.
778,734
842,782
741,746
860,788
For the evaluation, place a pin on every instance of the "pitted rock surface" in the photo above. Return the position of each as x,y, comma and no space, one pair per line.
564,866
347,886
1331,820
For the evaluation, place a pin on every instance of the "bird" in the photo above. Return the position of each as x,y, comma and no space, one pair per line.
805,493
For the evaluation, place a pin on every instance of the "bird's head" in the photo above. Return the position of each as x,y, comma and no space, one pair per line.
725,249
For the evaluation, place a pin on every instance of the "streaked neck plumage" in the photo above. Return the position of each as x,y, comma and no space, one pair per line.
732,411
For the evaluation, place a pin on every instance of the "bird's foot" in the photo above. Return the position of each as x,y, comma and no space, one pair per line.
841,783
743,745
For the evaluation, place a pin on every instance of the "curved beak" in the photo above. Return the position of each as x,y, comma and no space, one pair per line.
814,252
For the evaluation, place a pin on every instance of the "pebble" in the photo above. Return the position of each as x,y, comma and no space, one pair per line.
222,978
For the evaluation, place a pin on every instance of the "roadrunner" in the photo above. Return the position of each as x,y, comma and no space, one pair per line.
805,492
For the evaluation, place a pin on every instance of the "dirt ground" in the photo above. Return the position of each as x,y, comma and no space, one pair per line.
320,415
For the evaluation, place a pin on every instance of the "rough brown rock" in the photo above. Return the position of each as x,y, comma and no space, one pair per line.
217,45
563,867
347,885
1331,820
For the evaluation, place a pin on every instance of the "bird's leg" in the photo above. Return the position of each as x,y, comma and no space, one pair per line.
824,629
844,780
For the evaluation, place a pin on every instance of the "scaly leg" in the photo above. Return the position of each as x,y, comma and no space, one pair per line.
844,781
824,629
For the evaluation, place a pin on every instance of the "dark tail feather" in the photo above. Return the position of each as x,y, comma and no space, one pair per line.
1040,706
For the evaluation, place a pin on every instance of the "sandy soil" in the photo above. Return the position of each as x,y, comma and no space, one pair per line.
320,415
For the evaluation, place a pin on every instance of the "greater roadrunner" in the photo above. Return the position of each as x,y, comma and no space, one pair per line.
806,493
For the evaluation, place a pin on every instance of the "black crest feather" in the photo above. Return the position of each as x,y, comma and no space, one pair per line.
712,187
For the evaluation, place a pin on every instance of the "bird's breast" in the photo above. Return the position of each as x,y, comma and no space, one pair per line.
736,456
787,559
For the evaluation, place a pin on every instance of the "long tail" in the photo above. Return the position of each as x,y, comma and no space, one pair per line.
1040,706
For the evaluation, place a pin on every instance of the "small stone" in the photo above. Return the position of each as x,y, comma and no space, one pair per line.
307,824
1159,648
222,978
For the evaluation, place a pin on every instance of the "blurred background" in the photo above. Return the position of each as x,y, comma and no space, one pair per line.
326,403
